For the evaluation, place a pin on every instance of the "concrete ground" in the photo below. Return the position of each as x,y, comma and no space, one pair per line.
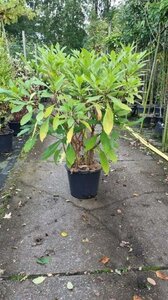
106,248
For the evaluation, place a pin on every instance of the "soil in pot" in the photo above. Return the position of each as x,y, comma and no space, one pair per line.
15,126
84,184
6,138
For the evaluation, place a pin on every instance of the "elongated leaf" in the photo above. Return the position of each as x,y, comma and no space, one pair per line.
56,122
105,141
37,81
70,156
86,125
29,144
112,156
104,162
17,108
70,134
90,143
26,118
108,120
57,155
48,111
40,116
23,131
98,110
121,105
44,130
50,150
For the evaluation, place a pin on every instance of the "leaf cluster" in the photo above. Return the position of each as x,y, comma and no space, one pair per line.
89,94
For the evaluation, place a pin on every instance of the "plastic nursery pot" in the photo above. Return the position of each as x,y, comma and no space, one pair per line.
84,184
6,141
159,128
15,126
147,121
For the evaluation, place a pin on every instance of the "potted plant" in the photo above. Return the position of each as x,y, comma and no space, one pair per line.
6,72
91,98
6,133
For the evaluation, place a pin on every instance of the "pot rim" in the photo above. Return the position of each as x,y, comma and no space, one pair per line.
10,132
83,171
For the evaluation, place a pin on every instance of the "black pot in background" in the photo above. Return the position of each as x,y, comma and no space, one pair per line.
6,141
147,121
15,126
159,128
84,184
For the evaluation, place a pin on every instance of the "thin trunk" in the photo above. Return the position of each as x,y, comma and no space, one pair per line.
151,75
165,133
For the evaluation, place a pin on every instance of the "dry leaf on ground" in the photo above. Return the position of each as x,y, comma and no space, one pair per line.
38,280
135,194
64,234
70,285
137,298
2,272
151,281
7,216
104,260
162,275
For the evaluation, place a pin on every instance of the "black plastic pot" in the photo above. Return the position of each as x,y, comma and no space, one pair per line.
15,126
159,128
84,184
6,142
147,121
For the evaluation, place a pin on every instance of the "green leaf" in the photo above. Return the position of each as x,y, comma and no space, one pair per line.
104,162
108,120
36,81
98,110
23,131
40,116
90,143
29,144
70,134
121,105
86,125
26,118
38,280
105,141
112,156
29,108
48,111
57,155
50,150
44,130
43,260
17,108
70,155
56,122
46,94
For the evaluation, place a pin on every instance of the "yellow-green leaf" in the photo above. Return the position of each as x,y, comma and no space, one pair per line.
56,122
38,280
108,120
48,111
99,113
86,125
64,234
44,130
70,134
104,162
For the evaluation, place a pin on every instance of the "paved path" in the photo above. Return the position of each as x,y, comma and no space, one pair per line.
127,222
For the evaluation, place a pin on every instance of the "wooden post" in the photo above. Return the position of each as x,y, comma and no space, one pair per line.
24,44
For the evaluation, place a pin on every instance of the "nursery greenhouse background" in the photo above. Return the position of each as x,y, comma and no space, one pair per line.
83,149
